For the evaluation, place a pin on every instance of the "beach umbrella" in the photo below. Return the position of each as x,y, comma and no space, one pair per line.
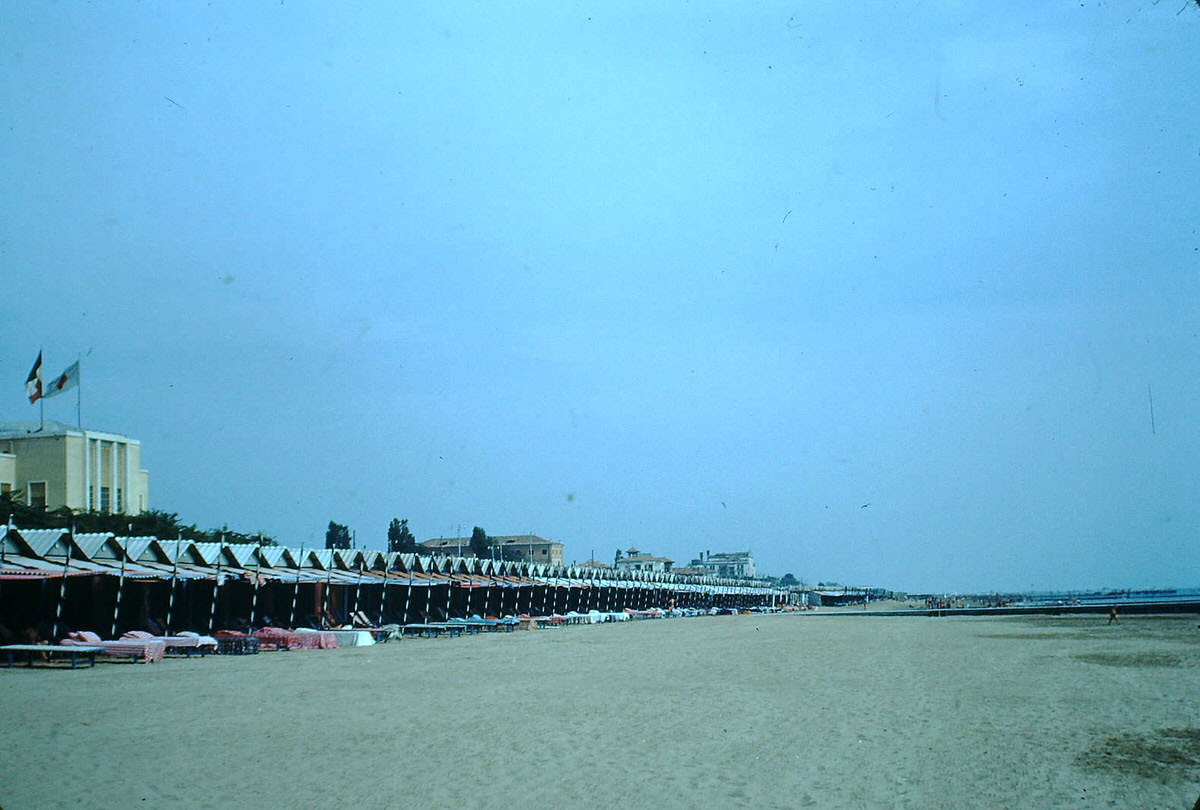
212,608
171,595
120,586
62,586
296,590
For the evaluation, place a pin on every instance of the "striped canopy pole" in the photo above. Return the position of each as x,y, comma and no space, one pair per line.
120,587
212,608
62,586
428,595
325,593
171,595
470,591
383,588
407,596
296,590
545,591
449,589
493,587
254,598
487,596
357,588
3,542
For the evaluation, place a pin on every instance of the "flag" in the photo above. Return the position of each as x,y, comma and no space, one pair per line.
33,383
68,379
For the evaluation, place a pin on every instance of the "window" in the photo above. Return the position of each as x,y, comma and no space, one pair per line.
120,500
105,499
37,494
91,497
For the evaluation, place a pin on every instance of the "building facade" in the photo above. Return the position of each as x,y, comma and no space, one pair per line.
516,547
58,465
736,564
635,560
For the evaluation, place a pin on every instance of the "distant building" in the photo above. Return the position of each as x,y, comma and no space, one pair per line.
520,547
733,564
635,560
85,470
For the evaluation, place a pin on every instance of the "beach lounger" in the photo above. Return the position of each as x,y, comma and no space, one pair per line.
146,651
231,642
49,651
432,629
187,644
469,626
302,638
505,625
309,639
385,633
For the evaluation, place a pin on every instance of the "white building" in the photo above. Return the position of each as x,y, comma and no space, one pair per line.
737,564
85,470
635,560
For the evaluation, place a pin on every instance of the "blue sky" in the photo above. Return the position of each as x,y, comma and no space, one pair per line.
698,276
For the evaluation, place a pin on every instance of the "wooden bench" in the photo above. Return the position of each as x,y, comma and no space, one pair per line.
48,651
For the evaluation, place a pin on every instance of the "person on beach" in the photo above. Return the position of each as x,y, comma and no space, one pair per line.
1112,615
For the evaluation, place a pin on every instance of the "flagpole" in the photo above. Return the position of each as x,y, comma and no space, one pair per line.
41,400
79,395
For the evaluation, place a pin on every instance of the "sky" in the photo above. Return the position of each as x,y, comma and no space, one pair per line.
882,293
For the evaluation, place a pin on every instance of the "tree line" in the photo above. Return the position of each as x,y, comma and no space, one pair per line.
400,538
154,522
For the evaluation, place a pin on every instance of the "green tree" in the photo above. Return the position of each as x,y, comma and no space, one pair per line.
337,536
152,523
788,580
400,538
481,544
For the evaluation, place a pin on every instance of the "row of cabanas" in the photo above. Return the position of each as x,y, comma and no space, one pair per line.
57,578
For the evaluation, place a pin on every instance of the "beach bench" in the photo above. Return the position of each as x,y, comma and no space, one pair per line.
187,644
432,629
49,651
143,650
470,627
237,645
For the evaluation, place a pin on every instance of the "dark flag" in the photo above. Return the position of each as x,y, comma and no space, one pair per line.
33,383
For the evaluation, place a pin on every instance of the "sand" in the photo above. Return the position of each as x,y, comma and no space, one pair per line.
806,710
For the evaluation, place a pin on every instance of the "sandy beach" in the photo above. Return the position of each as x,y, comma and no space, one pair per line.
733,711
